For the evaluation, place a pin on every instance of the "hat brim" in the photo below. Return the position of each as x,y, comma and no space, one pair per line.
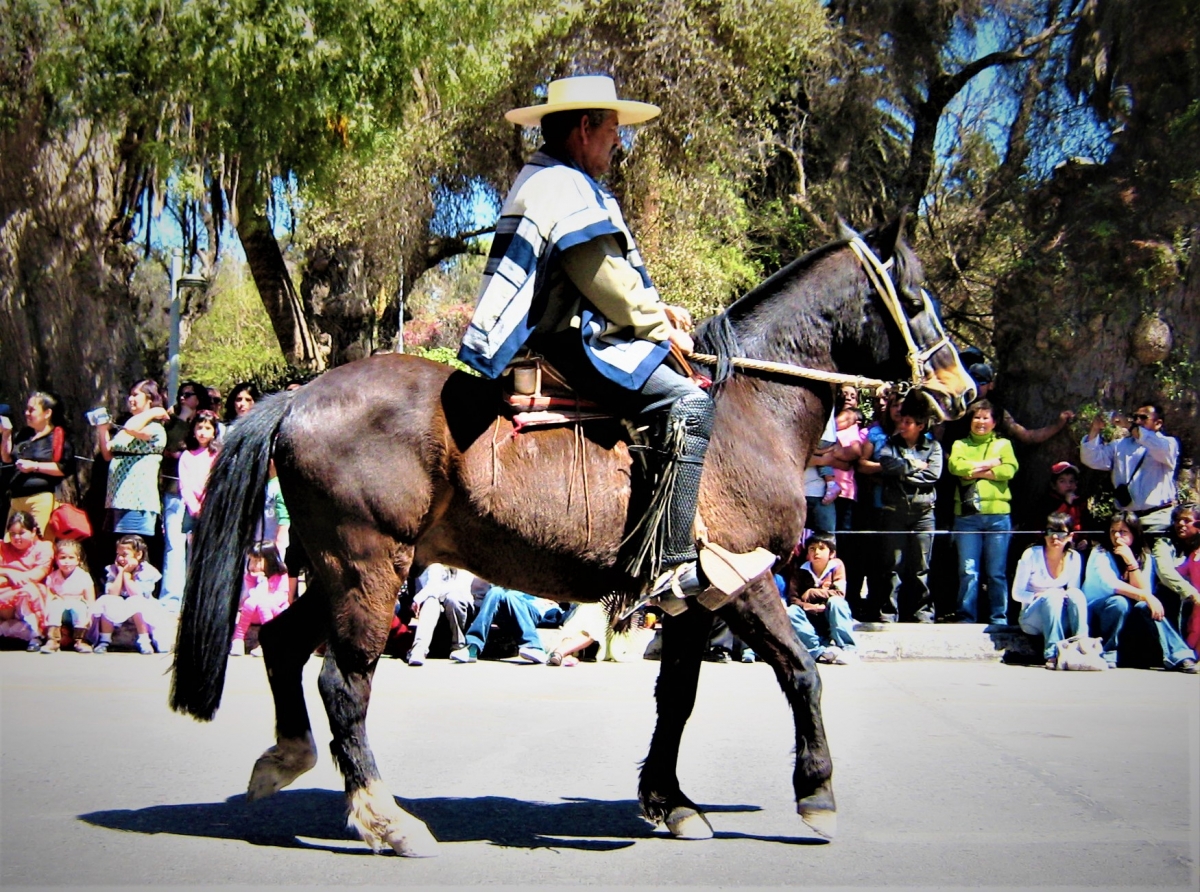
628,111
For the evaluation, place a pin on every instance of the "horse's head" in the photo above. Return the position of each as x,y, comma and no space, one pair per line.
932,362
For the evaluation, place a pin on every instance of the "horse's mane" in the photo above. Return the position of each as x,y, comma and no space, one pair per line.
719,335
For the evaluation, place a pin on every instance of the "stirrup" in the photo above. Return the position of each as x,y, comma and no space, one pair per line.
730,573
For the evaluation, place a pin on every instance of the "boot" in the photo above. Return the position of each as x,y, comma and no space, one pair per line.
689,427
53,637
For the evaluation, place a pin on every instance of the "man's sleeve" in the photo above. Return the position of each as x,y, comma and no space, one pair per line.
1161,448
600,271
1170,578
1095,453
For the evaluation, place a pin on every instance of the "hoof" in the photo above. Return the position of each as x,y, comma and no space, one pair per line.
280,765
414,841
687,823
382,824
822,821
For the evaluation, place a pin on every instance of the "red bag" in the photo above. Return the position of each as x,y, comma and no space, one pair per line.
69,522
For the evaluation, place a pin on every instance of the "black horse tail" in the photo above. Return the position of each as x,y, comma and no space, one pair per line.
233,506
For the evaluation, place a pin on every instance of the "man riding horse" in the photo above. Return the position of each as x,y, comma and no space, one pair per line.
565,280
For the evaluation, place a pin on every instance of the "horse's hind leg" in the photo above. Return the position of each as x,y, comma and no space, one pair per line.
759,619
360,629
684,639
287,642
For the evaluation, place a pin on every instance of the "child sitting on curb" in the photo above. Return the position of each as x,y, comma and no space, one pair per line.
71,593
264,594
816,595
129,595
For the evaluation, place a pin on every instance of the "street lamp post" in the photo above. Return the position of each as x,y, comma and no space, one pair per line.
179,281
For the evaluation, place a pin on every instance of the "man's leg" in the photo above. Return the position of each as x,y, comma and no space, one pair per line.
428,610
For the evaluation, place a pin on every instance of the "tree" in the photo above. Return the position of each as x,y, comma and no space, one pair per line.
1103,310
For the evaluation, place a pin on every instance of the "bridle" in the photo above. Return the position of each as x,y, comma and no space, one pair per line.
879,274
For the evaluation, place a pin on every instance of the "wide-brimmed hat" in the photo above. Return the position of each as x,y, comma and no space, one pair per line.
584,92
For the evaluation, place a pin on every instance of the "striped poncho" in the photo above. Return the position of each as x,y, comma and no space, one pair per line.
552,207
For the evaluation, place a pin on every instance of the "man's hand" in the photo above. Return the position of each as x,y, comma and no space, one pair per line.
1096,426
679,317
682,340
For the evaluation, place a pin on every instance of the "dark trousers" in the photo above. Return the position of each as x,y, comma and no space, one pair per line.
907,543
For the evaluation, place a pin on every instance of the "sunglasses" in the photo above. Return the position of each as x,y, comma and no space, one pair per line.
187,393
1057,535
1141,416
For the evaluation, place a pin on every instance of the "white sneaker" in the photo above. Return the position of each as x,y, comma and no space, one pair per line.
830,655
532,654
464,655
257,652
416,660
238,648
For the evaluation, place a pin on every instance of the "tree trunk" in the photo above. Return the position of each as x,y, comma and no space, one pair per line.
275,287
68,320
334,289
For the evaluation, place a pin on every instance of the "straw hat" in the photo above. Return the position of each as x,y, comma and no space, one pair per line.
591,91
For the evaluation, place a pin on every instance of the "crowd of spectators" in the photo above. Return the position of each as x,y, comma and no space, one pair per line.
879,495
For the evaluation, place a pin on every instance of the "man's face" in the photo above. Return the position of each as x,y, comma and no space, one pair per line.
1185,526
596,145
1146,418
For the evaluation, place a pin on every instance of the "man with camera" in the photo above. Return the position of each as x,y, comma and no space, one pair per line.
1142,465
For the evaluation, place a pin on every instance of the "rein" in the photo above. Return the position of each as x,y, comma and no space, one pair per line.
880,277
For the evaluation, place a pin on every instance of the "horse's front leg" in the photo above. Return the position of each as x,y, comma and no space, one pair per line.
759,619
684,639
345,685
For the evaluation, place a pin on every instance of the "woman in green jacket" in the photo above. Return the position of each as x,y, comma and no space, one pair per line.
983,464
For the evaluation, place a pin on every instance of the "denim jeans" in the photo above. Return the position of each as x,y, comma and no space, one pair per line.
174,553
819,516
982,554
1110,617
1055,615
519,607
836,622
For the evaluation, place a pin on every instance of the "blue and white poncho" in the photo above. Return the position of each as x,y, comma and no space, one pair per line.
553,207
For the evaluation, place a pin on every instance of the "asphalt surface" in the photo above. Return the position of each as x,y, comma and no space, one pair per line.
947,774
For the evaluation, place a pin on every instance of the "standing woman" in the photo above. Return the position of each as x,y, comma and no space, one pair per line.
1046,585
135,452
43,456
982,464
241,400
1120,590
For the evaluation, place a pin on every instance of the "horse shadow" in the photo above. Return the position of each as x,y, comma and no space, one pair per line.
316,819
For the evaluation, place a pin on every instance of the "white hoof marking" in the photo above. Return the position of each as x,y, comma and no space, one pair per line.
687,823
822,822
382,824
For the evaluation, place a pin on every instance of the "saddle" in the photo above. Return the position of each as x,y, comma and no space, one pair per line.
535,394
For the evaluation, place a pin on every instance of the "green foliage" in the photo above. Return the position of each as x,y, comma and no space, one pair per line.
234,341
445,355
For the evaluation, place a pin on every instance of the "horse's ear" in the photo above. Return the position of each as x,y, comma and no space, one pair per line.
844,230
888,240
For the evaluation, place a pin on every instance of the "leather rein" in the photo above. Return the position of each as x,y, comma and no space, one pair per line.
879,274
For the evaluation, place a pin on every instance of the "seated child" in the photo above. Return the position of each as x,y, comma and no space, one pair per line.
71,595
264,594
129,595
816,595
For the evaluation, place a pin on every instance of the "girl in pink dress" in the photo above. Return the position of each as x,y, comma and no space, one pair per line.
25,562
70,589
264,594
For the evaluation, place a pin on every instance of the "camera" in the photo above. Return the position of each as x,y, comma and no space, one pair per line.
97,417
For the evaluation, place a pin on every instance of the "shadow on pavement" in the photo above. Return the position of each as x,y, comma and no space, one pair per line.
316,819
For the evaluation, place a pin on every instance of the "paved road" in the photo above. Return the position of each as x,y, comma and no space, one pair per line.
951,774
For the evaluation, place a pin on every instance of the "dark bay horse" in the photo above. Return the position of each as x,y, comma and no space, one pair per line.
395,460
